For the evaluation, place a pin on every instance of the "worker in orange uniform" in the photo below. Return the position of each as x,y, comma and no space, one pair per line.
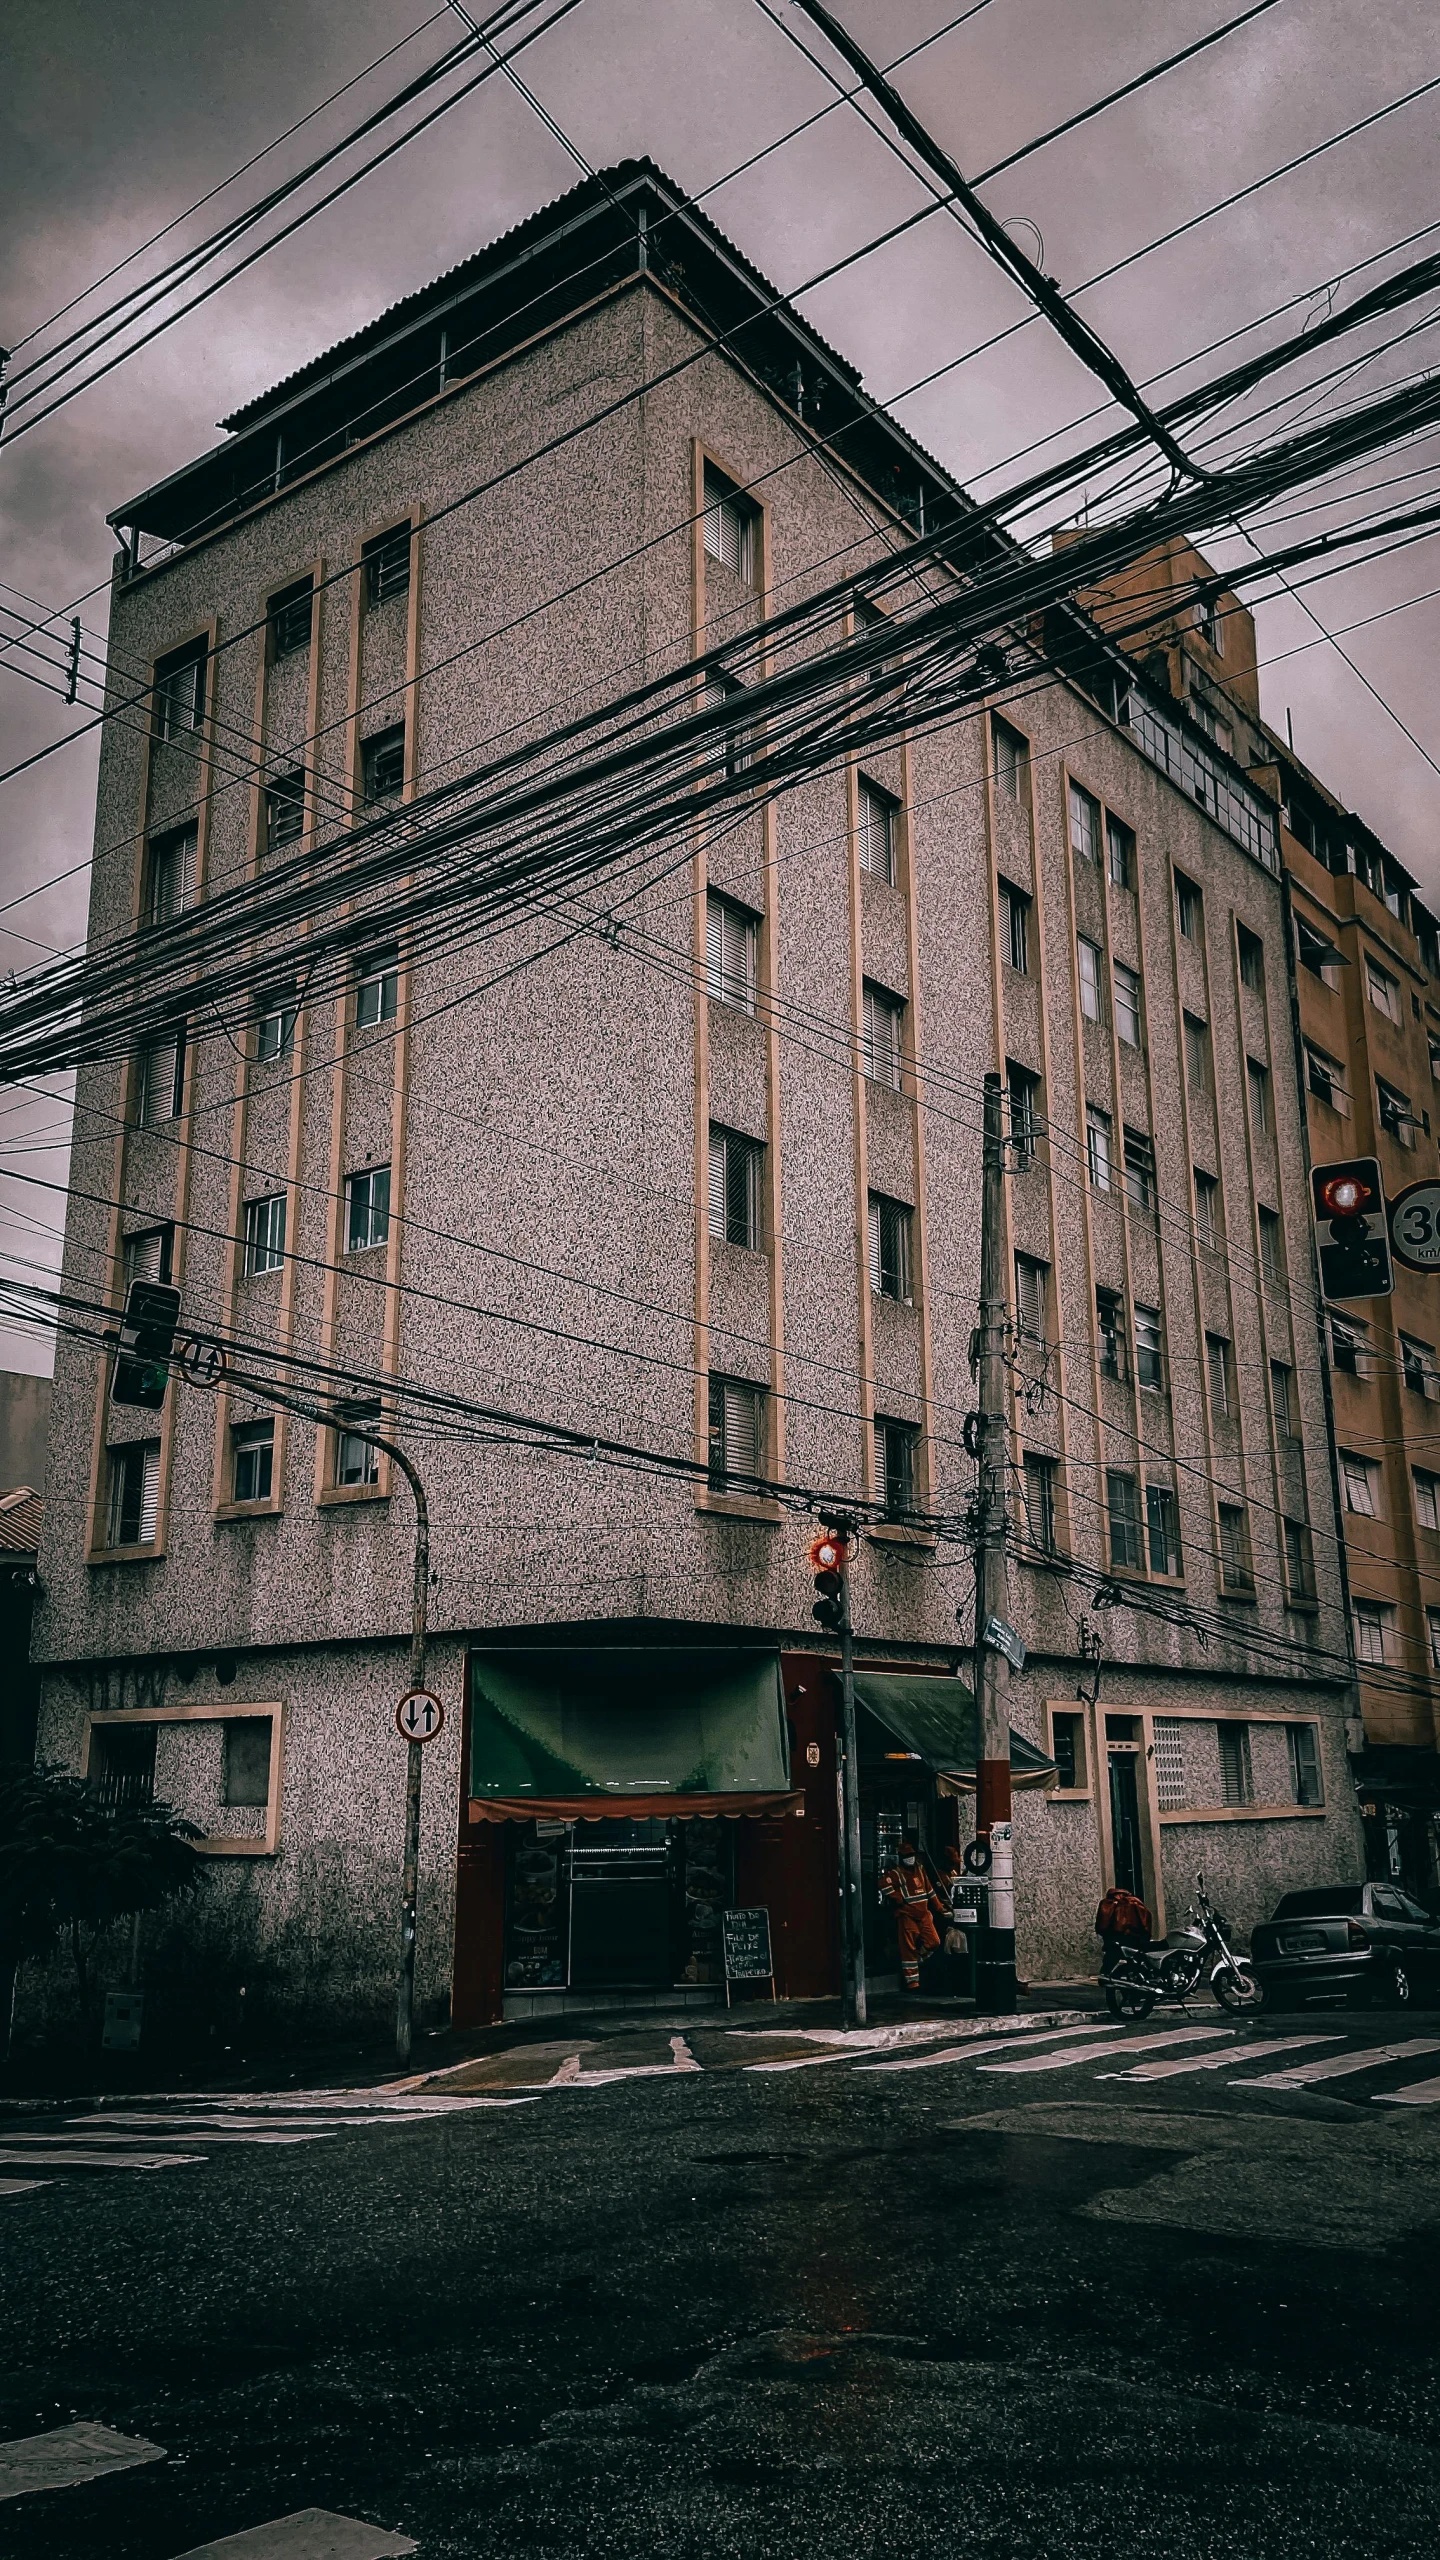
907,1887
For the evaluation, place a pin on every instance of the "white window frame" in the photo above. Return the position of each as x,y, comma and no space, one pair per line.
264,1237
126,1458
254,1439
1089,973
1099,1155
1129,1018
367,1192
377,988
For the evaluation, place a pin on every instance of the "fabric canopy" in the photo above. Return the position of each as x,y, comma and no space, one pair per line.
577,1736
940,1720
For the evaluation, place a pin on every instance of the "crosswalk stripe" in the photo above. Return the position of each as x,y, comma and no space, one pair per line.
159,2131
681,2060
1102,2052
21,2186
97,2159
1214,2061
311,2533
1421,2093
967,2052
63,2456
1369,2058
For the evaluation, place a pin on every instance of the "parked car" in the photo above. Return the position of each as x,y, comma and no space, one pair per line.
1367,1940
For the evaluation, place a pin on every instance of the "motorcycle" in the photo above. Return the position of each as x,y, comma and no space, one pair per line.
1141,1977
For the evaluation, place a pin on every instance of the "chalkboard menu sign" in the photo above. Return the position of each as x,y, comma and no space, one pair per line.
746,1941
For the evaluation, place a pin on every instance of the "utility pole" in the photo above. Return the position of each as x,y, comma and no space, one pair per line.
830,1555
995,1973
414,1761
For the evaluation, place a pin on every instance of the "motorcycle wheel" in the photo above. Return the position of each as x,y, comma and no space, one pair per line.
1239,1989
1126,1998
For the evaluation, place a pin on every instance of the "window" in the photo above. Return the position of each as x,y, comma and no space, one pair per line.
134,1494
735,1169
1023,1092
150,1255
1374,1622
1015,927
1272,1246
275,1019
367,1208
1348,1346
1097,1146
1217,730
1168,1736
1304,1745
737,1430
877,832
1317,954
1417,1367
1282,1399
1110,1333
1031,1284
1040,1518
1252,959
1011,755
1434,1057
1084,825
1326,1079
732,952
1236,1573
1139,1177
1258,1078
1217,1362
1197,1053
285,809
1122,1503
382,765
264,1234
729,525
1210,623
1126,983
122,1764
1119,853
1299,1562
890,1223
1162,1531
883,1030
1360,1482
247,1760
357,1460
290,618
180,691
1427,1498
1067,1750
895,1444
1382,990
1088,962
1149,1347
1236,1782
732,748
1207,1208
1189,908
1432,1621
161,1082
1396,1117
377,987
170,874
252,1461
387,565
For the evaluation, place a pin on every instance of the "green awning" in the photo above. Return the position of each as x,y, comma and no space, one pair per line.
584,1730
939,1719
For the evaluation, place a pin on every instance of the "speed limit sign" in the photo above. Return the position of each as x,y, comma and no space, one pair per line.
1414,1217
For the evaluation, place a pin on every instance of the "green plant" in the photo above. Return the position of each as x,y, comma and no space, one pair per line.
72,1865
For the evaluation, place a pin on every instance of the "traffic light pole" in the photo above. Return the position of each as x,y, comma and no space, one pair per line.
995,1973
853,1900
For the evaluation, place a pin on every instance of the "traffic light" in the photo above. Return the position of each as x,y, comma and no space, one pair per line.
1350,1229
147,1338
830,1554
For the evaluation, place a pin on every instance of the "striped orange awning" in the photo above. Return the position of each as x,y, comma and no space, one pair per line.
657,1808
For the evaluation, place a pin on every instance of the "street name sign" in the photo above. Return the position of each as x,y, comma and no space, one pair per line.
419,1716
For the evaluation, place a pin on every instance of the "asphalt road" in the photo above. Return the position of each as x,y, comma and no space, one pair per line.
694,2308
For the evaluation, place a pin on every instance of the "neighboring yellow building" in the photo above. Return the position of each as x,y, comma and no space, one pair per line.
1367,1012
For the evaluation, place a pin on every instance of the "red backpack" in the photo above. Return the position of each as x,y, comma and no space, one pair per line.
1122,1913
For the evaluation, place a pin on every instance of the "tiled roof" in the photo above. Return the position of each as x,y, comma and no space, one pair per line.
21,1513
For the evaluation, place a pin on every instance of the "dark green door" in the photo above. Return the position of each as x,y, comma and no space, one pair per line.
1125,1823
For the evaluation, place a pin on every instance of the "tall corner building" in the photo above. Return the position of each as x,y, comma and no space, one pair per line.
1367,980
640,1207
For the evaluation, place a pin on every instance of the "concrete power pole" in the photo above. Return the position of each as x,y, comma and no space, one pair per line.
414,1758
831,1555
995,1983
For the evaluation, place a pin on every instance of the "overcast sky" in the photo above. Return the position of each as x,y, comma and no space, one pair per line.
119,115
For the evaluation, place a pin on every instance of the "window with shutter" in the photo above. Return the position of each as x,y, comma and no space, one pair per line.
890,1248
161,1082
149,1256
1040,1514
1011,754
1197,1053
1031,1278
285,809
1236,1782
1168,1733
1236,1573
387,565
736,1165
134,1507
382,765
1304,1742
170,874
737,1431
883,1026
877,832
729,525
1015,927
1299,1561
291,613
180,691
895,1451
1259,1081
1023,1094
732,952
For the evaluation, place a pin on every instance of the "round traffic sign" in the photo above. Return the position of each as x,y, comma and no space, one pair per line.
419,1716
203,1362
1414,1219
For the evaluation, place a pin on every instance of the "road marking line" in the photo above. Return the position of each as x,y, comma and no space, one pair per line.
100,2159
1421,2093
1369,2058
1102,2052
312,2533
63,2456
156,2130
1214,2061
21,2186
962,2052
682,2060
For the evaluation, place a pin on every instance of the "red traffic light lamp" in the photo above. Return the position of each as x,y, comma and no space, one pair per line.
830,1552
1345,1195
829,1559
1351,1231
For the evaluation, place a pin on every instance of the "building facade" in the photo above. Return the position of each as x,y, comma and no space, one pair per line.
1367,977
683,1163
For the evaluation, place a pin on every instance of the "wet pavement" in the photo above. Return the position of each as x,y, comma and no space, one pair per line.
695,2288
